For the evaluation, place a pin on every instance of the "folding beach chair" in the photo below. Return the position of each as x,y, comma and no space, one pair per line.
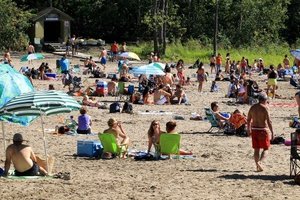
110,145
76,69
169,144
122,94
294,156
212,120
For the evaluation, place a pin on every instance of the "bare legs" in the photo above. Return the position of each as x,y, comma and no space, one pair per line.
259,158
297,97
200,86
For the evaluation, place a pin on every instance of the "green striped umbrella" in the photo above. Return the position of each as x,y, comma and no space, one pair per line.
33,56
40,103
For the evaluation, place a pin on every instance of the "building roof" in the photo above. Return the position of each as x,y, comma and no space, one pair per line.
51,10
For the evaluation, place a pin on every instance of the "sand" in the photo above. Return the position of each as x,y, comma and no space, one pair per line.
223,167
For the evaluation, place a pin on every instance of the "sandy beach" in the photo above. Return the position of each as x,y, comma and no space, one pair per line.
223,167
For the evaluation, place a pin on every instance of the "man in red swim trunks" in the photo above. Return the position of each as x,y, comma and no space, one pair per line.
259,128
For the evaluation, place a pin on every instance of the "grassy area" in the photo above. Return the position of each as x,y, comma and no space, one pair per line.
192,50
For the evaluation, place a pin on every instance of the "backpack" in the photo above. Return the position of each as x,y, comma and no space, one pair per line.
114,107
127,108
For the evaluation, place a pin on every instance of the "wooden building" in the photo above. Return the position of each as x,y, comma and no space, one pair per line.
51,25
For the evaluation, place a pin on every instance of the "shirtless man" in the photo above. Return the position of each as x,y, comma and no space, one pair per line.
23,158
259,127
103,57
30,50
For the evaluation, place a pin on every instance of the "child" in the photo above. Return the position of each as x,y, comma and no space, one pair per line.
214,87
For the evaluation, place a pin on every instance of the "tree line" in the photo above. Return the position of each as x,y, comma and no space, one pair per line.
240,22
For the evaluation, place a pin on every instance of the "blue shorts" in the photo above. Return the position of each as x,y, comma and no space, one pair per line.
103,61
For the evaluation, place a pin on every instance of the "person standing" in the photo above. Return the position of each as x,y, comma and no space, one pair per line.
272,81
212,61
30,50
286,62
23,159
64,64
123,47
259,127
201,77
218,62
103,55
73,44
114,50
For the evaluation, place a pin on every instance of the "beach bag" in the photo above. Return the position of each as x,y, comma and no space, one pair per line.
115,107
127,108
297,179
229,129
143,156
278,140
241,131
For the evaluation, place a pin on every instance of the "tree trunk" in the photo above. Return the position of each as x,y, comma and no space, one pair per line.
164,46
155,34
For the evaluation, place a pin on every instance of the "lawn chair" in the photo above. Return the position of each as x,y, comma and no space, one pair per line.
76,69
294,157
122,94
169,144
110,145
212,120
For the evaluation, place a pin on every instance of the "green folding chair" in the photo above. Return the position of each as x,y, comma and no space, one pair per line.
110,145
169,144
212,120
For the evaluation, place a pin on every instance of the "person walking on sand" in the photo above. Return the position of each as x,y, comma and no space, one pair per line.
259,127
212,64
30,50
23,158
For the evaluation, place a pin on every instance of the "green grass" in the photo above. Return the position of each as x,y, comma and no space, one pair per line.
192,50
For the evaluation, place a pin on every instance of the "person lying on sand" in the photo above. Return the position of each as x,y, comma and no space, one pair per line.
90,102
23,159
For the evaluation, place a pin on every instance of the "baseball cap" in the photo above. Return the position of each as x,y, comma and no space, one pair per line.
18,137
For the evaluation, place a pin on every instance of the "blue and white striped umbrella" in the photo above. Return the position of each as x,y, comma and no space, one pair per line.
296,53
150,69
40,103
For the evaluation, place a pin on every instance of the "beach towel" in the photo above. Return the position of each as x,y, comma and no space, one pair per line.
283,105
155,113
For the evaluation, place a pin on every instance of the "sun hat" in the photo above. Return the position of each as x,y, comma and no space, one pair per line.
18,137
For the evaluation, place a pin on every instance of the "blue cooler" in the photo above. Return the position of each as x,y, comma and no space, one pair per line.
89,148
53,75
101,89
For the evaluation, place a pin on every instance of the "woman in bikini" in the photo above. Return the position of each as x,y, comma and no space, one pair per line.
200,76
153,134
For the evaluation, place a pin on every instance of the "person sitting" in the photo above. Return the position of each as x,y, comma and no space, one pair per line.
84,122
147,93
51,87
42,71
161,96
180,95
154,132
238,120
112,86
23,159
170,128
168,77
115,127
214,87
220,116
124,75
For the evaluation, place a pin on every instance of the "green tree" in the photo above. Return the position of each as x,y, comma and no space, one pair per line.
14,23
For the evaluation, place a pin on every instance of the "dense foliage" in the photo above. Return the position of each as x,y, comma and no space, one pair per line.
240,22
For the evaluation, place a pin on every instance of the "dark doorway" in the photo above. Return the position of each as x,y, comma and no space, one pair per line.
51,31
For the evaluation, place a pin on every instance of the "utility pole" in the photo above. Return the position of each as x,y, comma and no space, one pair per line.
216,28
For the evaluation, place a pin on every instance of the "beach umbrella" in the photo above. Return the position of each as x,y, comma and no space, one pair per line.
13,83
296,53
33,56
158,65
147,70
130,55
40,103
